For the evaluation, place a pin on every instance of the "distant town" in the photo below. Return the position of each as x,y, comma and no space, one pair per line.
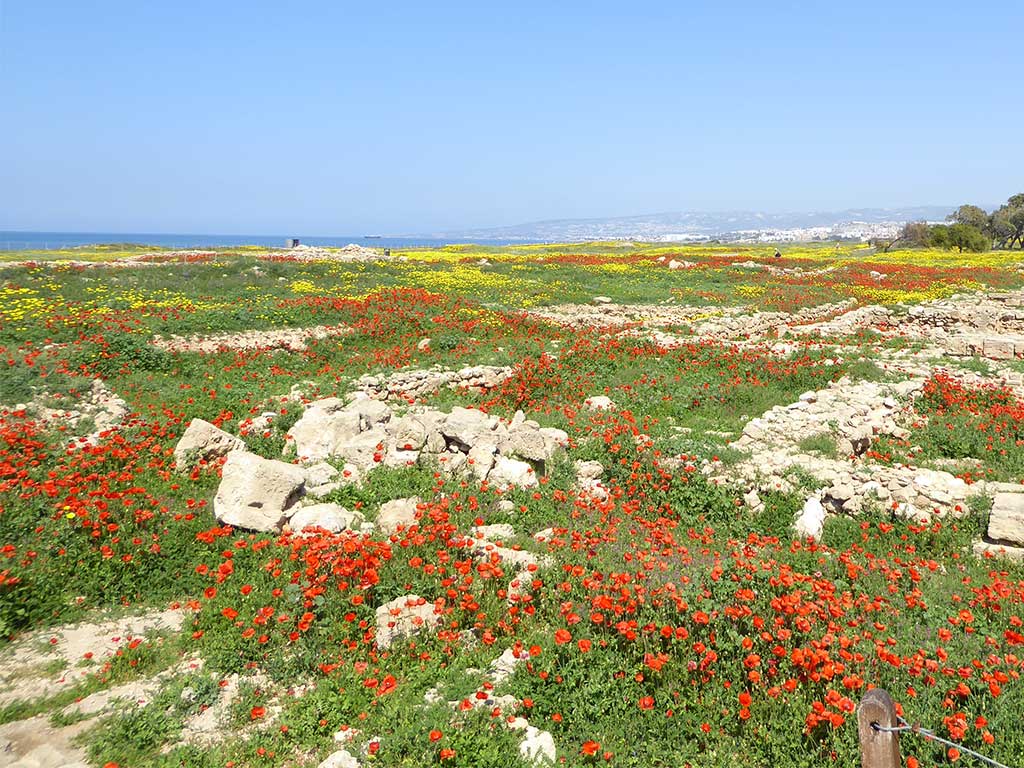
730,226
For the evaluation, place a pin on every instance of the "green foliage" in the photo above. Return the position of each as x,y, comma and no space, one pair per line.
963,237
823,444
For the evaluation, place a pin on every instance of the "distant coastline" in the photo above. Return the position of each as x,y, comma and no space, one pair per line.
29,241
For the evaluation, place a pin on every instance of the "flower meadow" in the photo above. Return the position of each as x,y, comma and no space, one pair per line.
666,624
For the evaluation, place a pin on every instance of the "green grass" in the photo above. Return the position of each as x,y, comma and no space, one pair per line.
823,444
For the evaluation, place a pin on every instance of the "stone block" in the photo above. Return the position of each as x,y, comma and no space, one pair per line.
1006,521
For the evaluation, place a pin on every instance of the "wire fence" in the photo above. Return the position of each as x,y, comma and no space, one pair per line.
905,727
880,727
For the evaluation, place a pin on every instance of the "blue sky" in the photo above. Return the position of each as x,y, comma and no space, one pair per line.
357,118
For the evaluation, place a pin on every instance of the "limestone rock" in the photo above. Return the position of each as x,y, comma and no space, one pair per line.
811,520
371,412
494,532
397,513
464,427
404,617
333,518
1006,521
481,457
365,450
598,403
538,746
588,470
340,759
512,472
319,474
324,428
527,442
554,439
256,493
203,441
410,433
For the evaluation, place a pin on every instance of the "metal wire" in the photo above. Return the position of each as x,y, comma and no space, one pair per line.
905,727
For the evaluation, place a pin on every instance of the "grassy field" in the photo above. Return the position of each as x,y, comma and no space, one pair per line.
670,625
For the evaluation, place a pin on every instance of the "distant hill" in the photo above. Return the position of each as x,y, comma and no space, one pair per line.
729,225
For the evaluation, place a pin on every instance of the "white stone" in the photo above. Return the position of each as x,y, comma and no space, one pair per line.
257,493
494,532
512,472
598,403
331,517
811,520
1006,521
588,470
203,441
371,412
410,433
366,450
481,458
319,474
404,617
466,426
538,746
396,514
546,535
527,443
324,428
340,759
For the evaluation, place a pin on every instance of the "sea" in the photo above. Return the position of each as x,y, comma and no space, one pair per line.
50,241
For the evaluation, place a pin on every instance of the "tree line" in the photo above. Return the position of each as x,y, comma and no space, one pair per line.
970,228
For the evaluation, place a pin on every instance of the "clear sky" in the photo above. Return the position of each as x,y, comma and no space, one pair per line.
416,117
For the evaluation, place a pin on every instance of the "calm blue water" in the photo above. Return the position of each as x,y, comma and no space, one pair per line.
23,241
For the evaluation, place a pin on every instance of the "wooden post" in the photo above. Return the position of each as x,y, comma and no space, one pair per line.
878,749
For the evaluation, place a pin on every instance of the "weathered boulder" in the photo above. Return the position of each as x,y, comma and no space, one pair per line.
404,617
811,520
512,472
324,429
554,439
202,442
340,759
481,459
319,474
365,450
598,403
537,746
333,518
588,470
256,493
396,514
371,412
396,457
494,532
527,442
1006,521
464,427
409,432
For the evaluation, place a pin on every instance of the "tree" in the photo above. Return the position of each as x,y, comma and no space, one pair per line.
972,216
1007,223
967,238
915,234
